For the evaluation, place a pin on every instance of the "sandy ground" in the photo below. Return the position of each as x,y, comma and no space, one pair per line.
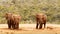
30,29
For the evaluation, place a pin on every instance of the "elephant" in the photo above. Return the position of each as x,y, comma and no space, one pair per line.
12,20
9,17
16,20
41,20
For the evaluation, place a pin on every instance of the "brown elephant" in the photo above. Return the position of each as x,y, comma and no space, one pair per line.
12,20
16,20
41,20
8,17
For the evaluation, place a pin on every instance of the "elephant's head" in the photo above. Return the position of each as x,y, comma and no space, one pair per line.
8,16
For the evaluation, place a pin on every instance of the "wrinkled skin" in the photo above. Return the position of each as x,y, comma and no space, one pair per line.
12,20
41,20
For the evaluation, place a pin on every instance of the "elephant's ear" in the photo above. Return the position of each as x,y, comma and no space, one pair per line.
6,15
19,17
45,17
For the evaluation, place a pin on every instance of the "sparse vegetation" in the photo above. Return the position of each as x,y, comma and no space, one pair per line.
28,8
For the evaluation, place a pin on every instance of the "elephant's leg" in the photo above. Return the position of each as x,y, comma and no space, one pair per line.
17,25
9,24
13,25
40,27
37,26
44,25
37,23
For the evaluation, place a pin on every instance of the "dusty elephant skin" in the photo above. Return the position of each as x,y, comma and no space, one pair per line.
41,20
12,20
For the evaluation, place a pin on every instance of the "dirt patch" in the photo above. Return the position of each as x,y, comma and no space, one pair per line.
30,30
